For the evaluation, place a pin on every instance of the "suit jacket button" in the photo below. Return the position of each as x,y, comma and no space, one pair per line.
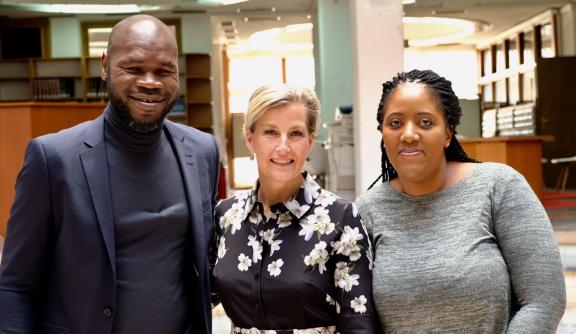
108,312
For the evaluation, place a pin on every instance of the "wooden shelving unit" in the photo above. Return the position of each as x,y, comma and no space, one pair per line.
79,79
58,79
94,87
15,80
198,90
526,88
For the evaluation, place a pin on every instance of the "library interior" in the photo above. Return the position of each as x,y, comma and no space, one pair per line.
512,63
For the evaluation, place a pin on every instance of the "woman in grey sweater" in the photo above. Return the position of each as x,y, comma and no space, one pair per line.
460,246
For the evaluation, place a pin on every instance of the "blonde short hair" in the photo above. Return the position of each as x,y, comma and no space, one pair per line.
272,96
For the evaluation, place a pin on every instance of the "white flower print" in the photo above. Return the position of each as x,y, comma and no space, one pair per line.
274,267
244,262
275,245
318,256
255,217
319,222
333,302
311,189
273,215
323,224
294,206
318,330
307,228
233,216
359,304
342,277
222,247
354,210
257,248
285,219
267,235
326,198
243,195
348,243
309,192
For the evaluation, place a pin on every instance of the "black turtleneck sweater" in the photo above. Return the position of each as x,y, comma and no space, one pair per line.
151,225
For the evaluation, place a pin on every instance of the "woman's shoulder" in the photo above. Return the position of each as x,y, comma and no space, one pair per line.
240,196
372,195
497,172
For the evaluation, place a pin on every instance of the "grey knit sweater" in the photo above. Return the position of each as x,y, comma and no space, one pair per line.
478,257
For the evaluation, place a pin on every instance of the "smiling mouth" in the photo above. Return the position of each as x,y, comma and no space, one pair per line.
282,161
147,100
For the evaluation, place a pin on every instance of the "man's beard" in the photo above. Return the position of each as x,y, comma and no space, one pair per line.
122,110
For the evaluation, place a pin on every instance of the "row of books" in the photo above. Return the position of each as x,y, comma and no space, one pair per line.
53,89
96,89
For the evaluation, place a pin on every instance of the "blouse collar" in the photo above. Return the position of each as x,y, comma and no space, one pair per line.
298,204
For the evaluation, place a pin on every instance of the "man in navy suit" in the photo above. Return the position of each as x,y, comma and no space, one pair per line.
110,225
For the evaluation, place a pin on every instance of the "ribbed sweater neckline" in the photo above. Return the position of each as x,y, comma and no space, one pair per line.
121,134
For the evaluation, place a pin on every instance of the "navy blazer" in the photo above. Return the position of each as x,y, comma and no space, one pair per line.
58,272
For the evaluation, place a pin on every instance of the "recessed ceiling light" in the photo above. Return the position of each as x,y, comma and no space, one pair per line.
218,2
429,31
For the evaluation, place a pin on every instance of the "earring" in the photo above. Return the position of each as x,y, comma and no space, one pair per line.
252,157
308,159
447,144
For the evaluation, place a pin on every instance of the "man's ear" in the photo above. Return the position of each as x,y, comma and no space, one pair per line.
104,62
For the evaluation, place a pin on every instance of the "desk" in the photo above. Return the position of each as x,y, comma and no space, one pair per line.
523,153
22,121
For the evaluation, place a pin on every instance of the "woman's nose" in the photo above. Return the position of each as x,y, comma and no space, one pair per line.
409,133
283,146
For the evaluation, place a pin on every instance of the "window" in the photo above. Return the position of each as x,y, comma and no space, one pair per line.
528,47
513,56
486,62
546,39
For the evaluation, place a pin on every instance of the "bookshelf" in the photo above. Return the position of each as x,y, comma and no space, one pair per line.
15,80
79,80
198,91
527,89
57,79
94,86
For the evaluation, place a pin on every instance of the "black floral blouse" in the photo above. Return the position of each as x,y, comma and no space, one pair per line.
308,266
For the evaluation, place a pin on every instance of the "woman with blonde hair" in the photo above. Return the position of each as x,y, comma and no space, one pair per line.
291,256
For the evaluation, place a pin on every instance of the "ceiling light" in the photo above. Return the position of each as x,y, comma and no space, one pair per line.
429,31
408,2
80,9
219,2
299,27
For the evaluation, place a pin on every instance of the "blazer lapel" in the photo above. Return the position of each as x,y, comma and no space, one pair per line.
189,168
96,172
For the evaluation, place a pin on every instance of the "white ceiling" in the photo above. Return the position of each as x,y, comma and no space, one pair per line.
494,15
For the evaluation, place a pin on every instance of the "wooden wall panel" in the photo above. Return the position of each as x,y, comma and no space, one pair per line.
20,122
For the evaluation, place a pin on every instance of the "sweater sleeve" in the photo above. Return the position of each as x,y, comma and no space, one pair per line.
526,239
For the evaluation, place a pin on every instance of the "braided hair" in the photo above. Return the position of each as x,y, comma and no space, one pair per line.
449,105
